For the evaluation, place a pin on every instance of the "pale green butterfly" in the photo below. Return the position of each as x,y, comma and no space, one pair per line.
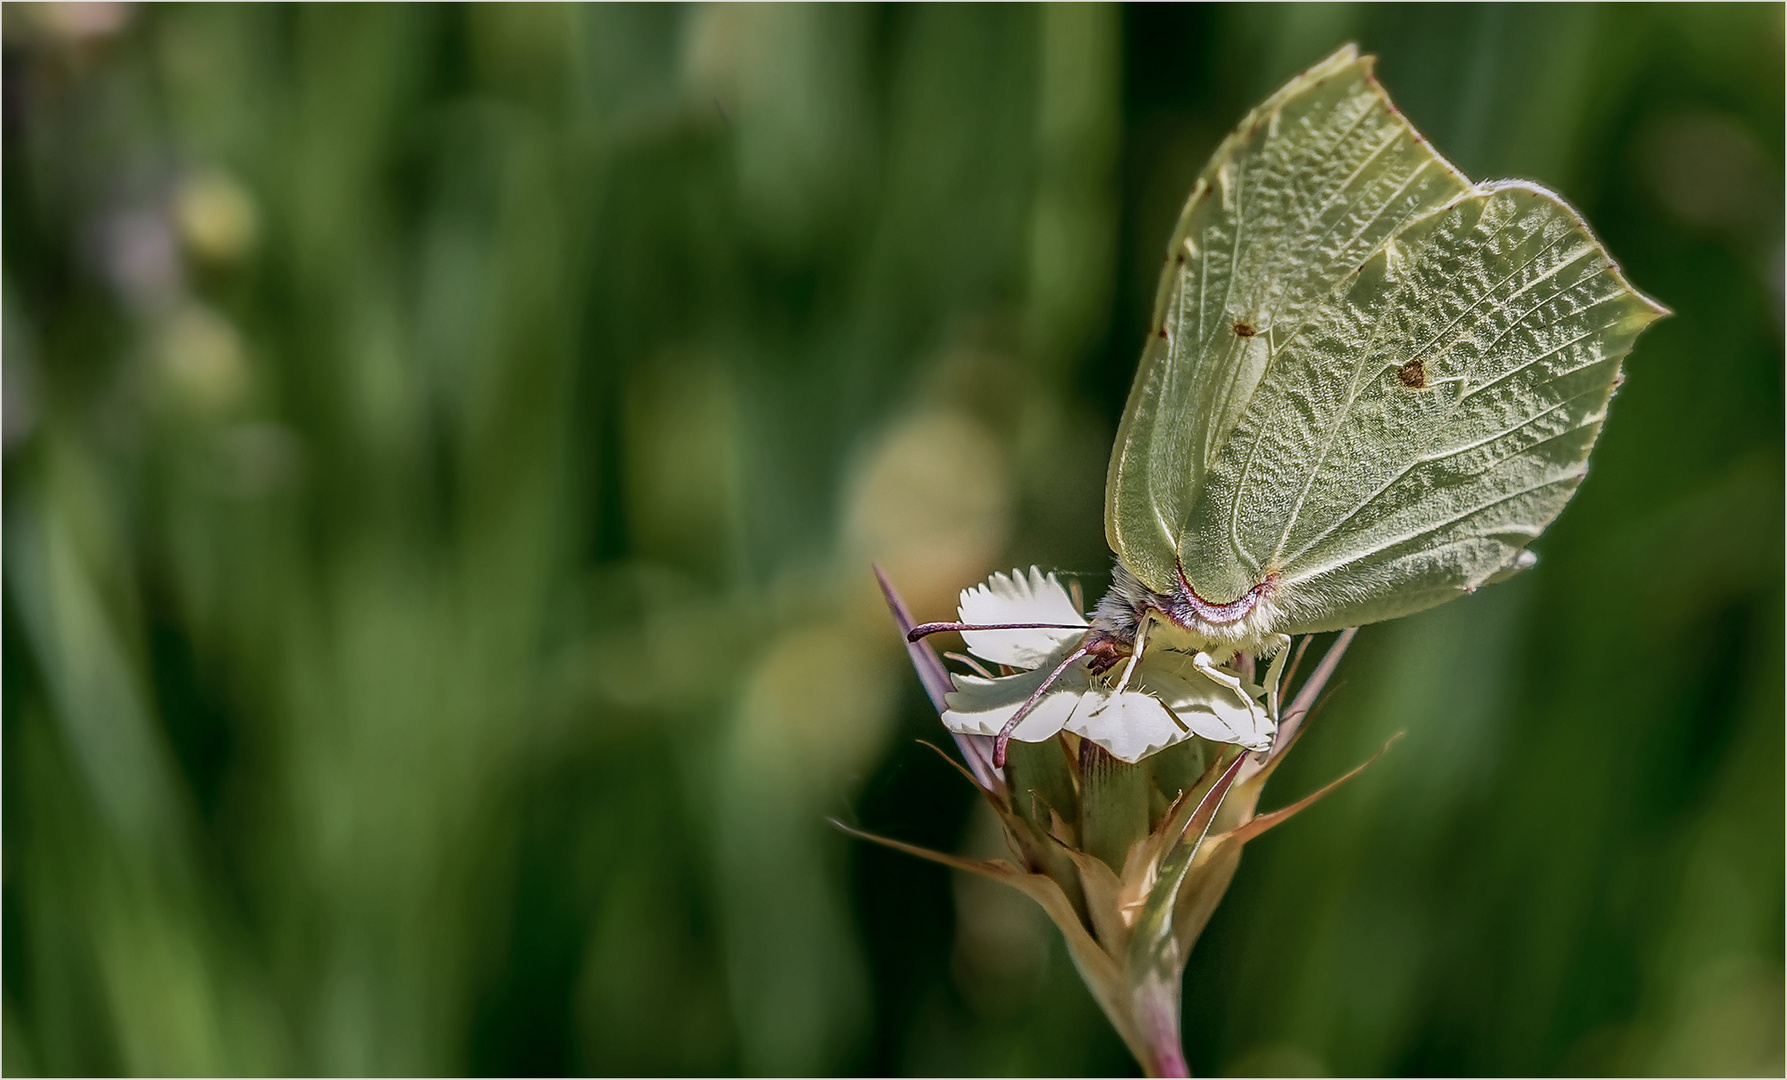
1370,383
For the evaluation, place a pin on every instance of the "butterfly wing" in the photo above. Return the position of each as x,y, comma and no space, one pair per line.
1299,196
1427,420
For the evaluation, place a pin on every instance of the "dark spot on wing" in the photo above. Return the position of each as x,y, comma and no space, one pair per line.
1244,330
1413,374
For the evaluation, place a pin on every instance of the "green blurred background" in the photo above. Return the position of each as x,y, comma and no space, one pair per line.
444,453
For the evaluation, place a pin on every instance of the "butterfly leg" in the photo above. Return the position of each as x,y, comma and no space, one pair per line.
1135,656
1005,733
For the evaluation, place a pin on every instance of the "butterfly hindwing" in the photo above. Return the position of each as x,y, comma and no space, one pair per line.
1427,421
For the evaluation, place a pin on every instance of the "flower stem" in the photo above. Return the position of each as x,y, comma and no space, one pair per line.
1113,805
1156,1000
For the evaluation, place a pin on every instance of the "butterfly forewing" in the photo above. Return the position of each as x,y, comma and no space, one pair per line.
1295,200
1427,421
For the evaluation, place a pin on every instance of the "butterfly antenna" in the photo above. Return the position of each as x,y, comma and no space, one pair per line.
923,630
1011,725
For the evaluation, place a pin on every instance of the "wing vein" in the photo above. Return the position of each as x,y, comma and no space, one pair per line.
1271,316
1352,398
1511,372
1228,294
1428,459
1335,198
1343,280
1321,458
1203,289
1488,295
1353,392
1430,530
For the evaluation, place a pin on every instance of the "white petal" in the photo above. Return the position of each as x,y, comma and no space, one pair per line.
983,706
1131,725
1036,598
1212,702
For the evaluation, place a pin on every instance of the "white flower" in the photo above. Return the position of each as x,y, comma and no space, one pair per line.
1132,711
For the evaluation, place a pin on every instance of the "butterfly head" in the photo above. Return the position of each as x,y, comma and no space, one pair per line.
1244,624
1188,621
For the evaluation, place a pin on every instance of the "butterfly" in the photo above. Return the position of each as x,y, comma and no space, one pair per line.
1369,383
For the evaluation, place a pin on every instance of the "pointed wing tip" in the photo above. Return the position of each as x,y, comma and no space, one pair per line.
1315,75
1650,309
1335,63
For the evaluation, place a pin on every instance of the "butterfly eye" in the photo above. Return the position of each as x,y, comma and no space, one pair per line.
1413,374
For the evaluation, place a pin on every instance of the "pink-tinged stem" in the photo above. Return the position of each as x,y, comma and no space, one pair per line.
1157,1023
1311,689
977,750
